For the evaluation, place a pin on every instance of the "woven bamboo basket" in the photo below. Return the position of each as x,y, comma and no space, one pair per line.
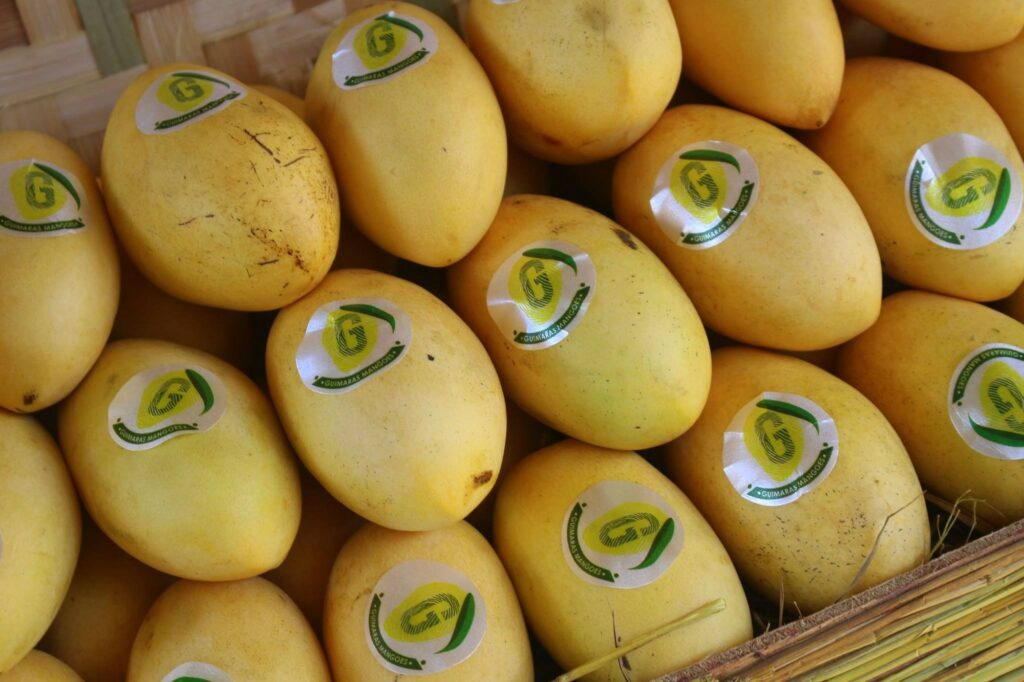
63,64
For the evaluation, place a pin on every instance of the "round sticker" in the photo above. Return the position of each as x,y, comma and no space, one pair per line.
704,192
39,199
424,617
961,192
181,98
380,49
986,401
196,672
620,534
778,448
165,402
349,341
541,292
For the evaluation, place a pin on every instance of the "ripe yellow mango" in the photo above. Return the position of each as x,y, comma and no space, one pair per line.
40,667
791,264
180,460
936,173
219,194
781,61
797,473
108,598
995,74
581,80
946,24
960,415
389,399
40,533
413,129
58,292
603,548
570,306
437,603
236,630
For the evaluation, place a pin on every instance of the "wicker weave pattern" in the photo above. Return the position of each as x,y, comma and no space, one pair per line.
63,63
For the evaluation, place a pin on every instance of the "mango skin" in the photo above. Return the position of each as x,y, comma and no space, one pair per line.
820,541
250,629
41,531
416,447
593,385
904,364
995,74
420,158
569,616
801,272
40,667
578,81
293,102
221,504
58,294
238,210
502,655
755,55
887,110
108,598
946,24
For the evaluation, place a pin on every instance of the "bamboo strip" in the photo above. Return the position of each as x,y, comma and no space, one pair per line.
111,35
981,660
48,22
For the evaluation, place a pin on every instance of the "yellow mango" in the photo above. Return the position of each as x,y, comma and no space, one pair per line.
40,534
946,24
947,375
220,195
413,129
764,237
798,473
936,173
40,667
58,292
581,80
756,56
603,548
569,306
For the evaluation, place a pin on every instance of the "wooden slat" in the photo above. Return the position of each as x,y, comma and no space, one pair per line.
47,22
12,32
40,114
219,19
86,109
111,35
168,35
234,55
30,72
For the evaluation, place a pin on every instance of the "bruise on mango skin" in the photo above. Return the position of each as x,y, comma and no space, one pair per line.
31,396
482,478
625,237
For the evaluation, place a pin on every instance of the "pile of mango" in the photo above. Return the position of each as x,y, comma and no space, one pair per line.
246,362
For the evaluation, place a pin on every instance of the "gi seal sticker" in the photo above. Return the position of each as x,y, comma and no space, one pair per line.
704,192
380,49
39,199
541,292
961,192
164,402
196,672
349,341
620,534
986,401
181,98
778,448
424,617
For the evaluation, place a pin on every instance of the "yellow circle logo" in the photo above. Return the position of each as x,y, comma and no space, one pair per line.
184,92
700,187
379,42
775,440
536,287
967,188
37,194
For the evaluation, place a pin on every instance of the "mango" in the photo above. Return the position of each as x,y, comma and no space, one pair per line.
40,667
946,24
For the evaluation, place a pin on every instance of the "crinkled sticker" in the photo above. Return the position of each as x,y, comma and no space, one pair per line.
181,98
704,192
39,199
779,447
196,672
348,342
620,534
380,49
961,192
986,401
424,617
165,402
541,292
